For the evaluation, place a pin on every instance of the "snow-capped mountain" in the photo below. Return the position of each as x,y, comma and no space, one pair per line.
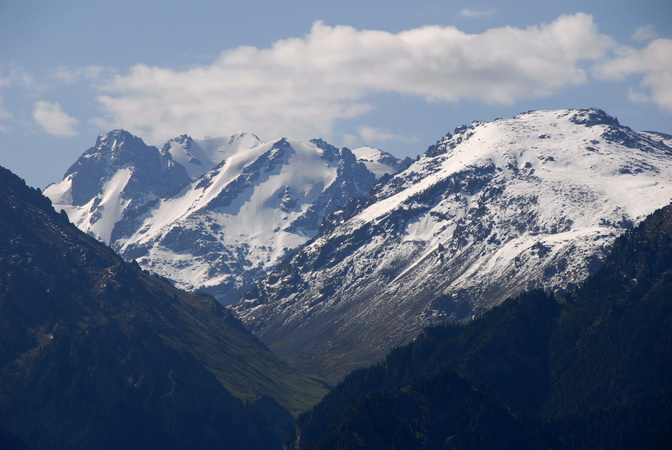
113,183
380,162
495,209
214,214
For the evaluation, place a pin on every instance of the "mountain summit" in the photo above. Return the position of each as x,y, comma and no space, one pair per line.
490,211
105,190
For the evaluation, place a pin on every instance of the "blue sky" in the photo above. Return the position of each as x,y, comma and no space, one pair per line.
396,75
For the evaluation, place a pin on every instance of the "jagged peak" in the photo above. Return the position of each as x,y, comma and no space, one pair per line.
321,143
113,147
282,143
242,135
181,139
115,138
329,152
187,142
593,116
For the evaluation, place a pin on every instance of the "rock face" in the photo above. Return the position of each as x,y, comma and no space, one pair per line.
216,214
96,353
488,212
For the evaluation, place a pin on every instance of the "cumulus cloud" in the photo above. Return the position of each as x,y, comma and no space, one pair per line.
302,86
653,63
51,117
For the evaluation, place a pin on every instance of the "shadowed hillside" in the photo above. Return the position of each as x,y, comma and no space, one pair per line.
96,353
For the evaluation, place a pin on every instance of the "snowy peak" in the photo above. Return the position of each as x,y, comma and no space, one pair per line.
490,211
588,117
118,175
380,162
563,161
115,151
526,124
186,152
116,143
329,152
218,149
201,156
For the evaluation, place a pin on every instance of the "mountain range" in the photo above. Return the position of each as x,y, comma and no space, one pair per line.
216,214
490,211
531,241
342,255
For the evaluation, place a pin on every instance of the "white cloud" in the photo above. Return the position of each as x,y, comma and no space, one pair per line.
653,63
468,13
644,33
53,119
299,87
